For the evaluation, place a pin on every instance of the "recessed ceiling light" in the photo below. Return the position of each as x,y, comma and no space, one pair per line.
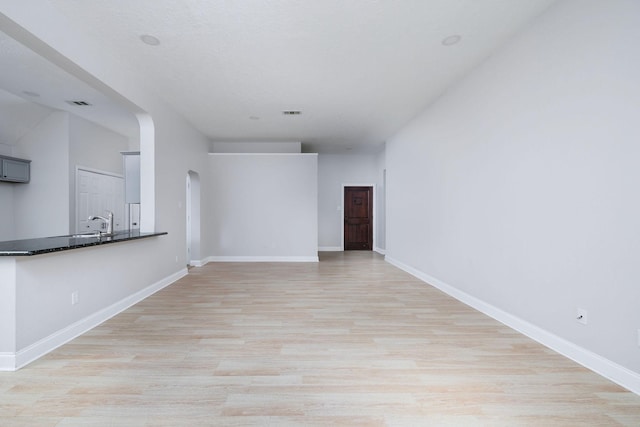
29,93
451,40
150,40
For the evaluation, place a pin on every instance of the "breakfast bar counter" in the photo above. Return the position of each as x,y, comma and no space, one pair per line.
27,247
53,289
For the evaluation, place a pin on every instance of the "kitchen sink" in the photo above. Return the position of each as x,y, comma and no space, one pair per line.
86,236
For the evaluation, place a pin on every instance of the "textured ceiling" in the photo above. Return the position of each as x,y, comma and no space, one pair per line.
357,69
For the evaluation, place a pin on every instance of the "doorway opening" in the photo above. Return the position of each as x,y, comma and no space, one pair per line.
358,224
193,220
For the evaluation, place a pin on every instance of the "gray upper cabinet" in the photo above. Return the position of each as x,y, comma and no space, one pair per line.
14,170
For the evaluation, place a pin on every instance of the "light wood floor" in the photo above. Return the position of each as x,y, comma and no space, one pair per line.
349,341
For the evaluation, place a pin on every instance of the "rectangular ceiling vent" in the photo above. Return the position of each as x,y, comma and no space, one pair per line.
78,103
292,113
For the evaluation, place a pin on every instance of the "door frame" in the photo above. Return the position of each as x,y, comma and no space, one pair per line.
192,220
374,213
188,208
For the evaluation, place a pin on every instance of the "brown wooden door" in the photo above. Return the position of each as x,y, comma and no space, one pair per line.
358,218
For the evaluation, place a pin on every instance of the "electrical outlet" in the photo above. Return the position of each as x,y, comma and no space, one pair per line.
74,298
581,316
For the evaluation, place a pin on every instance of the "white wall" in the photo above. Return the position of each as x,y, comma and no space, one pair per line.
95,147
55,147
173,161
256,147
519,187
381,203
18,118
335,170
6,149
6,199
7,308
41,207
263,207
21,122
7,231
43,304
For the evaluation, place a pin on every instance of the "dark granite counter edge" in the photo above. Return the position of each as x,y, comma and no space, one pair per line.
45,245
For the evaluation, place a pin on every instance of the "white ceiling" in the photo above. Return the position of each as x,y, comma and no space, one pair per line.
17,117
357,69
22,71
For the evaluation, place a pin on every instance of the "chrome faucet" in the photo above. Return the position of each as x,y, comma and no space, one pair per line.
108,221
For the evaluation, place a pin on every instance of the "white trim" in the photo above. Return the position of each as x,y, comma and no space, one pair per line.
15,361
330,249
374,233
262,154
197,263
263,259
605,367
98,171
380,250
147,172
193,217
7,362
187,211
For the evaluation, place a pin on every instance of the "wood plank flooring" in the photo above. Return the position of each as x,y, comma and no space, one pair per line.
348,341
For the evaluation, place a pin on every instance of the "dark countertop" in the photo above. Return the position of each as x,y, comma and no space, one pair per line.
46,245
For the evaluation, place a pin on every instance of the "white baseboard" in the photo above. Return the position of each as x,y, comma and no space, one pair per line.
7,361
330,249
14,361
197,263
262,259
340,249
600,365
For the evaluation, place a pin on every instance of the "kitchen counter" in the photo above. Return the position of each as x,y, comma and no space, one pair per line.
44,245
63,290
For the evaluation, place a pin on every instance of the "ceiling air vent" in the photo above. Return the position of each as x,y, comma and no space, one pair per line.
78,103
292,113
